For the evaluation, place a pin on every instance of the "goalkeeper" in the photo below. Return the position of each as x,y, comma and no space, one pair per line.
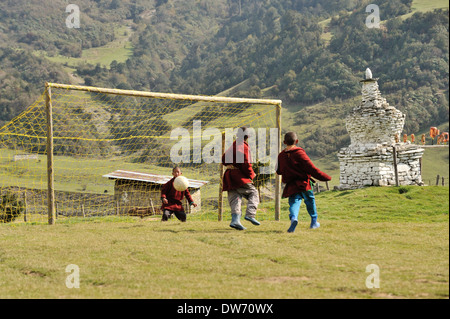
172,199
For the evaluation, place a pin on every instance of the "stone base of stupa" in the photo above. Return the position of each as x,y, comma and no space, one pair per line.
374,166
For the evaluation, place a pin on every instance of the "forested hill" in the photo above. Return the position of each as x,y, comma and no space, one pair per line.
305,52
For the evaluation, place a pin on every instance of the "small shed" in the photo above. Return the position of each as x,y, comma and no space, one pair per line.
143,190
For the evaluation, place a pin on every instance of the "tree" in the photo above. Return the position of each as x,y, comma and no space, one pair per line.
115,4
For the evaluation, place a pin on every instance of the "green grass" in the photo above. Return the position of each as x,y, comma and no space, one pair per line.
402,230
435,162
417,6
381,204
120,50
427,5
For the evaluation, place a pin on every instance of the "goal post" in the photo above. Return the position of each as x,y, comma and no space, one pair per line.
108,150
49,150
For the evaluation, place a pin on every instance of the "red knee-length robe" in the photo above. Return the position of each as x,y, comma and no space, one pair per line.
174,197
241,161
296,170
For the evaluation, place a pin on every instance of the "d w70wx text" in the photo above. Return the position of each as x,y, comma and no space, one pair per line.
239,308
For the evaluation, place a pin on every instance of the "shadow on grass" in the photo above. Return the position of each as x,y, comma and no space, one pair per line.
343,193
224,230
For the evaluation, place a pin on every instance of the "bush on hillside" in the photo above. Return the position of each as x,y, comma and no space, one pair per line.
10,208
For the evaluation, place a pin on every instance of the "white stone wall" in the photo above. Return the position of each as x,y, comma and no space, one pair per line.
376,168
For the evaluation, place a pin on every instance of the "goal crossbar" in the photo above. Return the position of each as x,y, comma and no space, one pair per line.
172,96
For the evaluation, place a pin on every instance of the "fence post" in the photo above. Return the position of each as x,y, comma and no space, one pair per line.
443,181
420,165
50,172
394,149
437,180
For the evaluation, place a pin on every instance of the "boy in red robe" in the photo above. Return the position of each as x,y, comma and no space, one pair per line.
172,199
238,180
296,170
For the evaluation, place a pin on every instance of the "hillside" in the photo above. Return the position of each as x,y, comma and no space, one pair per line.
309,53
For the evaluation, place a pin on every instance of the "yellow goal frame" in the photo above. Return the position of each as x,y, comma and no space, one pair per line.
204,98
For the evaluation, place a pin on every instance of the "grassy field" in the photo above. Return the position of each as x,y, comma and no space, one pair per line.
404,231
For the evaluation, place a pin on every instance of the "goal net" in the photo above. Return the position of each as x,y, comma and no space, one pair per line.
112,150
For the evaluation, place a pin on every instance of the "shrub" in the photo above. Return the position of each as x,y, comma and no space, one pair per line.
10,208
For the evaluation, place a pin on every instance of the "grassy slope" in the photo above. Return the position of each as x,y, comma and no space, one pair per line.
417,6
120,50
426,5
435,162
406,235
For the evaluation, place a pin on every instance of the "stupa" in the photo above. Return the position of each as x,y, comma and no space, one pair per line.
374,128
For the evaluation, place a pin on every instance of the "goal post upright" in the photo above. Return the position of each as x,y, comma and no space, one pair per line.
278,177
221,172
49,150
